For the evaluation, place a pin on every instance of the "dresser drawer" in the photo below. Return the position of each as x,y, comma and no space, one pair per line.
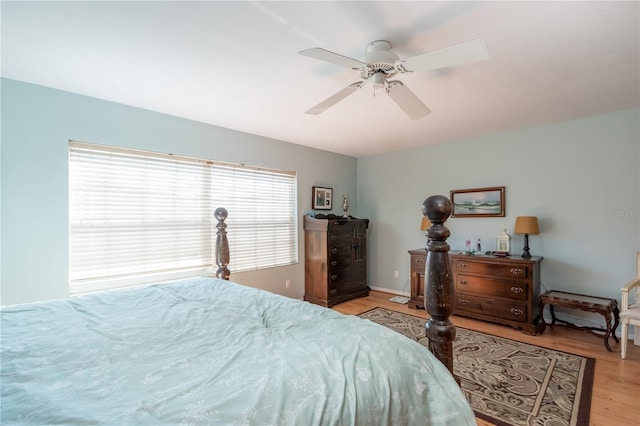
340,236
339,252
495,269
494,287
502,309
418,262
338,263
346,287
347,274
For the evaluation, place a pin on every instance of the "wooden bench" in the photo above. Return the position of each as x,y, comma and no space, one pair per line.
600,305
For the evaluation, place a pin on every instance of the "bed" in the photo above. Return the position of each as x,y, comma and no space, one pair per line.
210,351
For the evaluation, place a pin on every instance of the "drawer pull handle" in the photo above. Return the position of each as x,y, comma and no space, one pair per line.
516,271
463,282
517,311
517,290
334,277
464,301
462,265
419,260
334,250
334,263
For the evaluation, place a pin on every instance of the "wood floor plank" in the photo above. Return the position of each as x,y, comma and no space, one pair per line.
616,389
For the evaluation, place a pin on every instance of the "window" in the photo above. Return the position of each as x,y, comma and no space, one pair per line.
138,217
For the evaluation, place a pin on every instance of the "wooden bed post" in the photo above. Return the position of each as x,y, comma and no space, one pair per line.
222,244
438,284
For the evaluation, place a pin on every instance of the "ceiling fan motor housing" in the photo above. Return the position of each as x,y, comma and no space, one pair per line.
379,57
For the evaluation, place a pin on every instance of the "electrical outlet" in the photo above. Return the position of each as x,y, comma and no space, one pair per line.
287,283
396,274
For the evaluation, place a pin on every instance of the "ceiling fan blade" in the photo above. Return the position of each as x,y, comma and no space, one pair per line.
334,58
463,53
407,100
334,99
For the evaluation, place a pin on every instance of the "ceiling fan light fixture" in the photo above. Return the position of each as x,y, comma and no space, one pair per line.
379,80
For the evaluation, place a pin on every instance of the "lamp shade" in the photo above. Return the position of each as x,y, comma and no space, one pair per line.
526,225
426,224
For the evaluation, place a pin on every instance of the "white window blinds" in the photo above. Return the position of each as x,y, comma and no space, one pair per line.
138,217
263,226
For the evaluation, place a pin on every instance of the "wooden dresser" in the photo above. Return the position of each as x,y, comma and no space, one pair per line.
418,261
335,259
500,290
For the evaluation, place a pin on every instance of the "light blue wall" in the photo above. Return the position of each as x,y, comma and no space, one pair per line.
37,124
581,178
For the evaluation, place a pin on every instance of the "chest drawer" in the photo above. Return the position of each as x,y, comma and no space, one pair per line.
488,268
340,236
346,287
418,263
347,274
495,287
339,252
492,308
338,263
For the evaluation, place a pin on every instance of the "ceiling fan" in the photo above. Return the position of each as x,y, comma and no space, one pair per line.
379,64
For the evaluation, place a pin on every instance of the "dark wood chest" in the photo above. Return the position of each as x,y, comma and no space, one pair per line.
335,259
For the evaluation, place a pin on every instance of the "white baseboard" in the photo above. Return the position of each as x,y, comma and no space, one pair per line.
388,290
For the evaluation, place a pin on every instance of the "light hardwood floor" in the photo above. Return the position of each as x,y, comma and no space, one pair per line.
616,387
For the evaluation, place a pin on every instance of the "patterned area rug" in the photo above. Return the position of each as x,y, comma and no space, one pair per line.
509,382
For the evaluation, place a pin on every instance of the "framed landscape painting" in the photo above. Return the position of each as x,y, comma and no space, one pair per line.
478,202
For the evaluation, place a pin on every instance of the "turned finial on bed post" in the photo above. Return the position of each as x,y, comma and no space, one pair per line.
222,244
438,284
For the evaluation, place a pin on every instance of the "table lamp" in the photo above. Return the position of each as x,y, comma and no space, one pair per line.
526,225
426,224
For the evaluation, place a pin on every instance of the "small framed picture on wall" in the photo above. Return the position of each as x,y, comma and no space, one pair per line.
321,198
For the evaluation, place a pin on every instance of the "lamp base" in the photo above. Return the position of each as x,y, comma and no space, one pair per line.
526,253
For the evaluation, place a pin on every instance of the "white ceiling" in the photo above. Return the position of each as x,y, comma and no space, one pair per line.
235,64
